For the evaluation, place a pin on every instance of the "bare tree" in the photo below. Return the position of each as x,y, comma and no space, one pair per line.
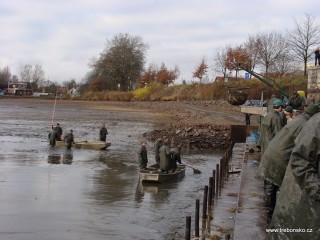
283,64
304,36
201,69
270,46
252,53
38,76
25,72
33,75
219,61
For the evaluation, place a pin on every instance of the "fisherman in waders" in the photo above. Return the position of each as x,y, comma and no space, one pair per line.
271,124
143,156
59,131
164,153
68,139
174,158
103,133
157,146
53,136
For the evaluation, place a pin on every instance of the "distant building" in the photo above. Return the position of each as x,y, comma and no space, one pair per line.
19,89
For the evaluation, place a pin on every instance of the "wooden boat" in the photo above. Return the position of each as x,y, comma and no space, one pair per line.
154,175
94,145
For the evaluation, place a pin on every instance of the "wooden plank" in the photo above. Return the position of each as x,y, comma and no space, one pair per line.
262,111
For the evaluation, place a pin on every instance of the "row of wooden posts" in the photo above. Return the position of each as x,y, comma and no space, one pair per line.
211,193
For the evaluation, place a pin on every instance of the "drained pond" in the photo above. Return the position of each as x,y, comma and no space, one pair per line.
54,193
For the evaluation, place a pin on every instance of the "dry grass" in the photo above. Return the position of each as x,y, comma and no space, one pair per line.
211,91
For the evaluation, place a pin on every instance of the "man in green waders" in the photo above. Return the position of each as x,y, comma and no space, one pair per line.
68,139
143,156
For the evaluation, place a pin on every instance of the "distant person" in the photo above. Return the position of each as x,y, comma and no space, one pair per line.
143,156
68,139
157,146
103,133
317,56
296,101
53,136
59,131
164,153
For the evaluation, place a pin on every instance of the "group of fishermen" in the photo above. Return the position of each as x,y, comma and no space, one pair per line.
56,134
166,157
290,167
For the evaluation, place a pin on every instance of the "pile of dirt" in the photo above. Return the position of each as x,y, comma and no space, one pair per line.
193,136
194,125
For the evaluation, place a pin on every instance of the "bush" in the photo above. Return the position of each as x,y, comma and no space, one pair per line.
212,91
119,96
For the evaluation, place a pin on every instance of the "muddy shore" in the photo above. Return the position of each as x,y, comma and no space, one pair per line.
193,125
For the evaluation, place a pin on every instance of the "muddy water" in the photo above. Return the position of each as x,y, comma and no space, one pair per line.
52,193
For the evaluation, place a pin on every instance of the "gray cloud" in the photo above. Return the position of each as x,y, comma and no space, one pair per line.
64,35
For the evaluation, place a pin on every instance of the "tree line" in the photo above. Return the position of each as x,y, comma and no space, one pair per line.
121,64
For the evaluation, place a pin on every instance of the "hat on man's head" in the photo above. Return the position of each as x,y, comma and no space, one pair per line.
312,109
288,109
277,103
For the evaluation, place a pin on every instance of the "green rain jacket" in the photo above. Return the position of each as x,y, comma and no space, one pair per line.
271,124
298,202
275,159
157,146
164,153
143,157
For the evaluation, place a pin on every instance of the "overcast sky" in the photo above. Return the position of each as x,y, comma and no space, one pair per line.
62,35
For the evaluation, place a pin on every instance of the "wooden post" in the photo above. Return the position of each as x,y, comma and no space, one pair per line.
210,197
221,172
188,228
213,185
196,219
205,200
217,180
221,177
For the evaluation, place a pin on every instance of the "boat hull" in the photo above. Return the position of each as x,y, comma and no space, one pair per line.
154,175
95,145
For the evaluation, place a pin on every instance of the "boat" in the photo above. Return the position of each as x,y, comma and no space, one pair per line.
154,175
94,145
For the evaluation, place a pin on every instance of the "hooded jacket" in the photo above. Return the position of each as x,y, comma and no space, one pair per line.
275,159
298,202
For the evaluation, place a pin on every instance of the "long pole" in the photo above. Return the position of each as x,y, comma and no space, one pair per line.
54,107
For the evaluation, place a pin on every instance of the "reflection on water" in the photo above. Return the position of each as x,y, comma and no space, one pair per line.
64,158
54,193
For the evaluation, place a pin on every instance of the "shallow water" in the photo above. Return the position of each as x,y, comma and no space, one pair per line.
54,193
